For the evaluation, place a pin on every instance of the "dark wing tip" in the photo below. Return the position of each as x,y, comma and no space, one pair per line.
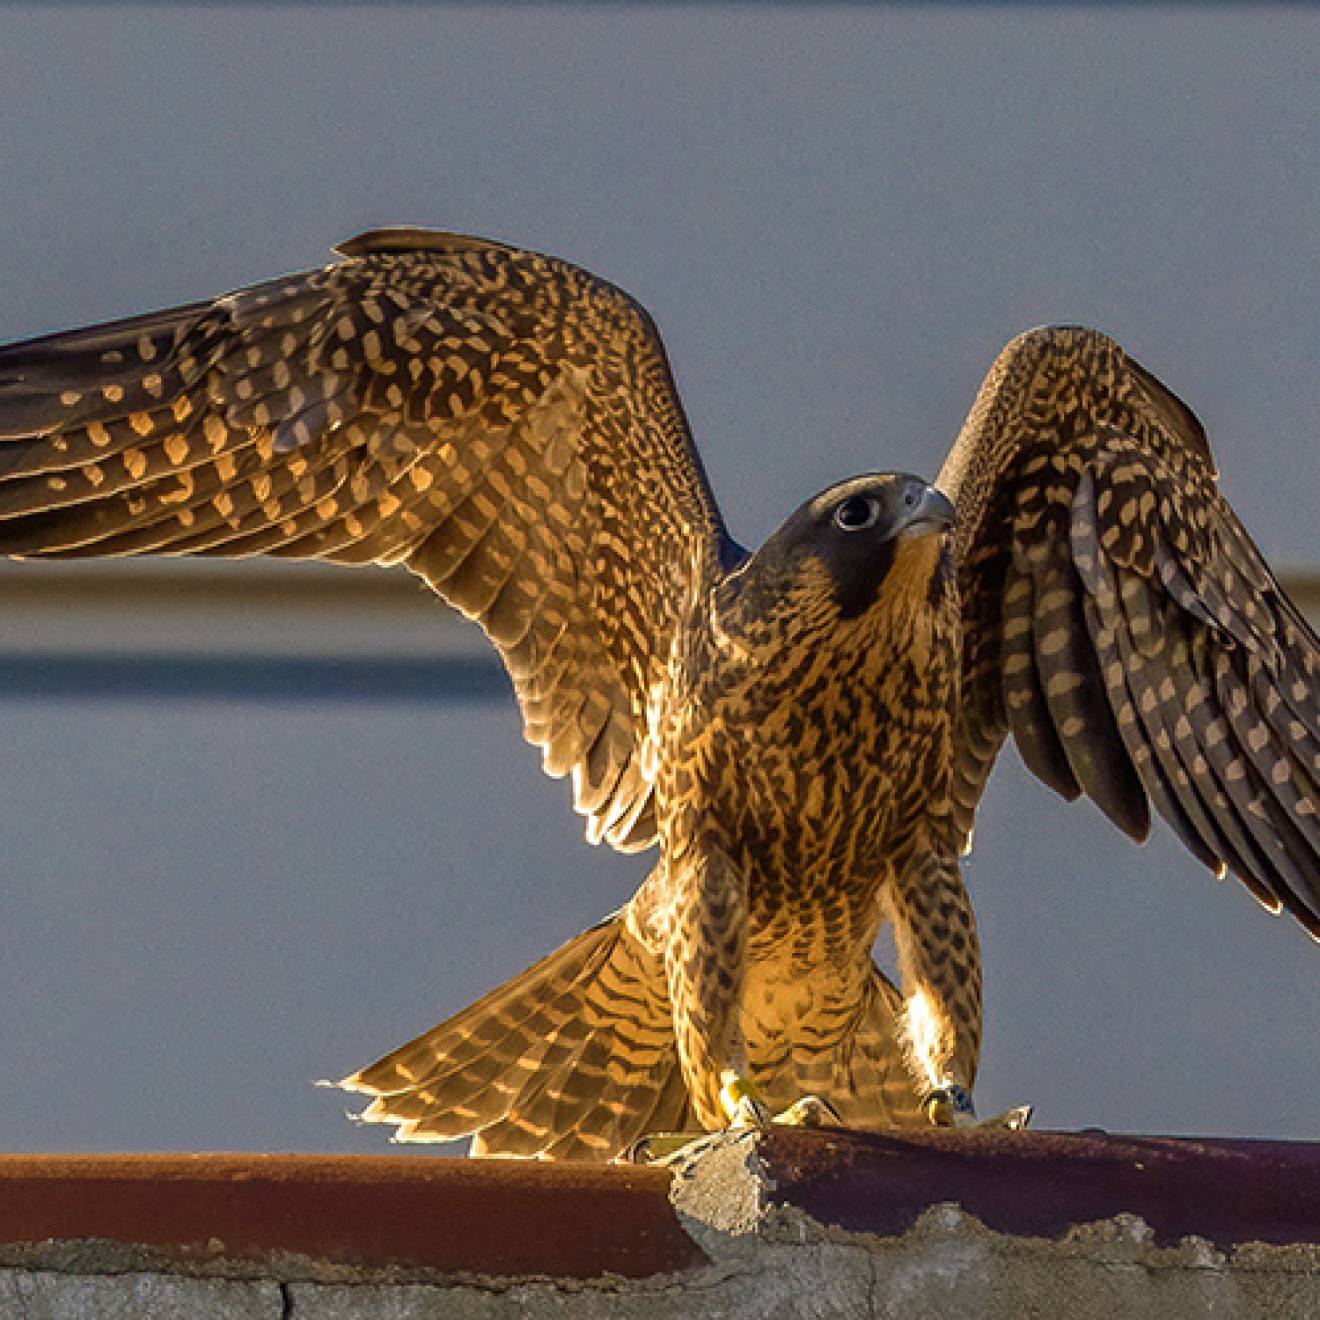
1129,812
1175,414
407,238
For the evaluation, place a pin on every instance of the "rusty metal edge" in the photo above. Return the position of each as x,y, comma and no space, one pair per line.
440,1216
1047,1184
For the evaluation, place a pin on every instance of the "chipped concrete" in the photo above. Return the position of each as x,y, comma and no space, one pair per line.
783,1266
44,1295
781,1262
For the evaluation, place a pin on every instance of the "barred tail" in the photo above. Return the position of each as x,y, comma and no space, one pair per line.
832,1034
871,1076
846,1048
573,1059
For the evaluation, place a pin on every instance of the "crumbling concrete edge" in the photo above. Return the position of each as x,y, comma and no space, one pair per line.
726,1199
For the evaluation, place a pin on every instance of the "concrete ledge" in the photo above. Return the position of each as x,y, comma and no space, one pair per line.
788,1224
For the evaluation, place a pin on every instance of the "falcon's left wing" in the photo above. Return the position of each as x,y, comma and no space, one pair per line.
503,423
1122,625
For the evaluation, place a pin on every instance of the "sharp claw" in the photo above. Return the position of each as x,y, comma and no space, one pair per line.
660,1147
670,1148
744,1109
1013,1120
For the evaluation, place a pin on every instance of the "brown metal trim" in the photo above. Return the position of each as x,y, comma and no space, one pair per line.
463,1217
1043,1184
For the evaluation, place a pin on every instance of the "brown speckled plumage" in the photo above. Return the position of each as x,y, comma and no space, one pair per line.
806,731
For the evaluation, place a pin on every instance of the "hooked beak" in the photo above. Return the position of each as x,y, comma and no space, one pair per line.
932,513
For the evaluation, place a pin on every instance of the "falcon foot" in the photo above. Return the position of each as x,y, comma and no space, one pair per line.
744,1107
811,1111
951,1106
746,1112
1011,1120
741,1102
679,1151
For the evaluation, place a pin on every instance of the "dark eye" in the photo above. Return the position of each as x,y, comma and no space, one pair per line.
857,513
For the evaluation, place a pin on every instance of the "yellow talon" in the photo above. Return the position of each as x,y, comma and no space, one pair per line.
741,1102
950,1106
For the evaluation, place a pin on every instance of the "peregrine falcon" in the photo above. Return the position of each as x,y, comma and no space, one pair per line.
804,731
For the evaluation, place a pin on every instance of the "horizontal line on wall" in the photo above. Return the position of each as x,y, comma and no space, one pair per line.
259,631
166,582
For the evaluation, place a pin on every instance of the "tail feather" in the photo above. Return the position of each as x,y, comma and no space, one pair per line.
534,1117
658,1104
648,1102
597,1086
836,1039
569,1116
672,1111
627,1089
515,1061
485,1026
871,1079
576,1059
572,1059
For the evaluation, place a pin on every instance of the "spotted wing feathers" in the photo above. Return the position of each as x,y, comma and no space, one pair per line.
1123,626
502,423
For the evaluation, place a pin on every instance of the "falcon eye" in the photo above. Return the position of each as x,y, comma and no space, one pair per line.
857,513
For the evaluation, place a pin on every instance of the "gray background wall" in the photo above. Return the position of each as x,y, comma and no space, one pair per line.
838,216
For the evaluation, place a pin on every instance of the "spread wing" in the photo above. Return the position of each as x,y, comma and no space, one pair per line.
1122,625
502,423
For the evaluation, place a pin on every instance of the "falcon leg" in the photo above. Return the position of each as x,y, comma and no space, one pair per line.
705,957
705,949
940,969
744,1107
739,1099
695,916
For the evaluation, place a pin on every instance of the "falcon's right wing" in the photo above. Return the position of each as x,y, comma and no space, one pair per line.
1121,624
502,423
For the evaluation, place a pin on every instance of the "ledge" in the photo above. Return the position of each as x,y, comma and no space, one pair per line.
417,1216
1044,1184
789,1223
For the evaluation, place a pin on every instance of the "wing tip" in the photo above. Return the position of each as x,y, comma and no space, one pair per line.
410,238
1138,830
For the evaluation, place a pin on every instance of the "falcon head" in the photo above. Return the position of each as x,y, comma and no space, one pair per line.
861,534
870,551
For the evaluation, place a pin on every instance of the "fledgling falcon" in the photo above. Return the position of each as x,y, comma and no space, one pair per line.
805,730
